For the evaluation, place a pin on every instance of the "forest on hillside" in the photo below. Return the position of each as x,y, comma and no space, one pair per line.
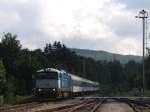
18,66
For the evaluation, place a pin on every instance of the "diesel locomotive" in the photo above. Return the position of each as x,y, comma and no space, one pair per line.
58,83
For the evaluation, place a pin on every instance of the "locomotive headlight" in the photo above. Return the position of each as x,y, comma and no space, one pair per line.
40,89
54,89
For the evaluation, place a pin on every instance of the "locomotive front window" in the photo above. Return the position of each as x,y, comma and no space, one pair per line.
47,75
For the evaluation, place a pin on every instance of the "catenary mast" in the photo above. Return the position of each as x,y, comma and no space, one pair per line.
143,15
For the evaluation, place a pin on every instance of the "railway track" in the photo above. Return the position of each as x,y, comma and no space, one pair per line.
85,106
25,105
20,107
136,105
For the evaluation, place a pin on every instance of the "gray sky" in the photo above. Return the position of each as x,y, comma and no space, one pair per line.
88,24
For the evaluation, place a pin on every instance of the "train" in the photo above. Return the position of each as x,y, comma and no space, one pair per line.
59,84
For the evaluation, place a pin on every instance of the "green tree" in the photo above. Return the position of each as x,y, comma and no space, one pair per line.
10,48
133,74
147,71
118,78
2,78
27,64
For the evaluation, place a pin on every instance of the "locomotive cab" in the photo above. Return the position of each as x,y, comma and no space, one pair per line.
46,83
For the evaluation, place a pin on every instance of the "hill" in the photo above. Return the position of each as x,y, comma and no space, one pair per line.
106,56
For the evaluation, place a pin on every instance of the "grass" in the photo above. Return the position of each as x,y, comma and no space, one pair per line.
5,102
130,110
19,98
1,100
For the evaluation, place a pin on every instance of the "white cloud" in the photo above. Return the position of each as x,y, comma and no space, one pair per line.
128,46
8,19
107,23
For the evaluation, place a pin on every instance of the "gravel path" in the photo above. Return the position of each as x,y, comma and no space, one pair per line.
115,107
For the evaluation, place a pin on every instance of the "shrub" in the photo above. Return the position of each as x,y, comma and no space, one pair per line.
1,100
19,98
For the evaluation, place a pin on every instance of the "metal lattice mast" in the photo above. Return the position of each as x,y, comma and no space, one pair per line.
143,15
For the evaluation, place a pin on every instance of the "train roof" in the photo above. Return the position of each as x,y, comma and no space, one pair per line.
51,70
48,70
75,77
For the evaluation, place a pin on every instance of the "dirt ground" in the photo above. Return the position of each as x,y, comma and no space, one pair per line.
115,107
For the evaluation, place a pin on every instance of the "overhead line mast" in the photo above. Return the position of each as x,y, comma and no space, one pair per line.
143,15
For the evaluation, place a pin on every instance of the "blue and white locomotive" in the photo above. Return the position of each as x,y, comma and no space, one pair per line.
58,83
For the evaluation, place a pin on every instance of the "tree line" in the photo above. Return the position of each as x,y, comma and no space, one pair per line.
18,65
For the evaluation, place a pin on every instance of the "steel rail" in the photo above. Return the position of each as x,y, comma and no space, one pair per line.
81,106
65,108
98,105
20,107
133,103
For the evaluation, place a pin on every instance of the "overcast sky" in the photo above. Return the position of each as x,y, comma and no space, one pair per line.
88,24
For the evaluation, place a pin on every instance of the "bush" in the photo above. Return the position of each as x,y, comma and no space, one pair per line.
19,98
1,100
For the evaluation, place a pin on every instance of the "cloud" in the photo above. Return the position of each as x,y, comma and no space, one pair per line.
93,24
